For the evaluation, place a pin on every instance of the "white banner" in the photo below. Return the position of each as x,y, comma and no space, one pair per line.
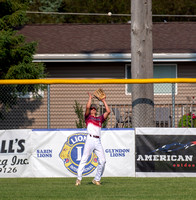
119,146
15,152
57,153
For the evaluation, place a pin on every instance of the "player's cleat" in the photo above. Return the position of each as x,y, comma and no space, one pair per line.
78,182
96,182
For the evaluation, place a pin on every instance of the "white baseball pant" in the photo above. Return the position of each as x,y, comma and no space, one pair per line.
92,145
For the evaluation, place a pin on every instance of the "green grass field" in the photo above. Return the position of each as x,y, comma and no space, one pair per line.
111,188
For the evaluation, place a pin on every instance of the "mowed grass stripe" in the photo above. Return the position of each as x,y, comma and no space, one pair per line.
111,188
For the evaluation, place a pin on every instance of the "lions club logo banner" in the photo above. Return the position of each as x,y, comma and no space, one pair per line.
72,152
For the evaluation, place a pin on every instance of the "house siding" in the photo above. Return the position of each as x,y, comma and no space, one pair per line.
86,70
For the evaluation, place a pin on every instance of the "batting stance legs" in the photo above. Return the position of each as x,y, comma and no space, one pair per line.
92,145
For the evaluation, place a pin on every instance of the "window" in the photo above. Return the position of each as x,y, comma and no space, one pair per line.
160,71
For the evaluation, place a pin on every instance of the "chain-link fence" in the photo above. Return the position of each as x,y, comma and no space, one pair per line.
59,106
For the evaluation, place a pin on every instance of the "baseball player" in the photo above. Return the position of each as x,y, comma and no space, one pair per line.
93,141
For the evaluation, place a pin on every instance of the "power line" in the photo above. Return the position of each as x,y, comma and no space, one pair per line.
94,14
101,14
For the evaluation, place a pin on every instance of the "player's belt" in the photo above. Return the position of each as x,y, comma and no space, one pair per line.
95,136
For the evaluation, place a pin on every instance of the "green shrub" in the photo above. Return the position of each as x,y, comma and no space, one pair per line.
187,120
79,112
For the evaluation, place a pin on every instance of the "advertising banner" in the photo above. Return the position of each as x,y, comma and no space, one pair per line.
165,152
15,152
119,146
57,153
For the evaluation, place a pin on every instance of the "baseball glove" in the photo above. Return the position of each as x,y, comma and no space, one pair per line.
99,94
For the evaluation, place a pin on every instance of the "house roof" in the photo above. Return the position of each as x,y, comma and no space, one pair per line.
84,39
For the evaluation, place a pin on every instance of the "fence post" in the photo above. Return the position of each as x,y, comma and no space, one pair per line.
173,104
48,106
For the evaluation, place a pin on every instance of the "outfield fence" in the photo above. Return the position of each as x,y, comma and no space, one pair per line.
60,103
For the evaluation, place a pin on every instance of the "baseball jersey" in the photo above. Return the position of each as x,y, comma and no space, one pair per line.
94,124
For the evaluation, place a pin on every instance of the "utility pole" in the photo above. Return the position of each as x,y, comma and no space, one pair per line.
142,63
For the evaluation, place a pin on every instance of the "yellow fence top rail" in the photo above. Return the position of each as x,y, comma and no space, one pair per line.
96,81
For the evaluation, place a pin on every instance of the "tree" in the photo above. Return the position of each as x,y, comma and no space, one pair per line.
80,6
16,55
142,63
174,7
171,7
92,6
45,6
51,5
